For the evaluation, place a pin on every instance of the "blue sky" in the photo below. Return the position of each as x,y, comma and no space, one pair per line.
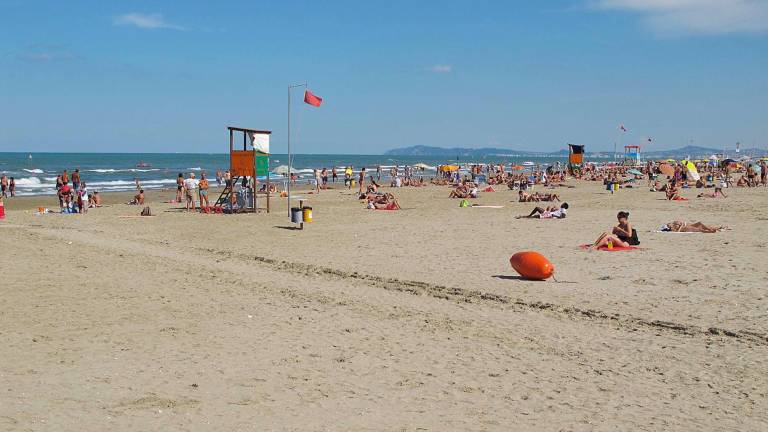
170,76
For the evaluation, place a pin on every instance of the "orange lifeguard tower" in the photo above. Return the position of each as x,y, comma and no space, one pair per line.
244,167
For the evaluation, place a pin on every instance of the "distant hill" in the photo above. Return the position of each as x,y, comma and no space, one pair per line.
684,152
687,151
420,150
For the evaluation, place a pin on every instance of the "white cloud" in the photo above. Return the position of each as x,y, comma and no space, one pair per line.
440,68
146,21
43,53
696,16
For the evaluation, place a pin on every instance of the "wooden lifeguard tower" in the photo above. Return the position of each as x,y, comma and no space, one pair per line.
244,167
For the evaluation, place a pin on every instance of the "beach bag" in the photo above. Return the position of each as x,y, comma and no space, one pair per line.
634,240
146,212
464,203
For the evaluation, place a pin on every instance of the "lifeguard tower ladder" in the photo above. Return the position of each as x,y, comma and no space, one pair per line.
246,164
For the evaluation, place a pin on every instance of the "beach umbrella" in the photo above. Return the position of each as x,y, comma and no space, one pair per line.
728,162
634,172
667,169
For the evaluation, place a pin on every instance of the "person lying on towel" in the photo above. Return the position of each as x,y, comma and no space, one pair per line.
547,213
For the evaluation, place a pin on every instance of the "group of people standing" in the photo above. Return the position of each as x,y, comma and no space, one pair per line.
75,198
190,188
7,186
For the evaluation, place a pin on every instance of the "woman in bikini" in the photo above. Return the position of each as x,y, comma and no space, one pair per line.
680,226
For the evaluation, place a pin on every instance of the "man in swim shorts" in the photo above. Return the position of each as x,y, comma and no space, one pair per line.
190,184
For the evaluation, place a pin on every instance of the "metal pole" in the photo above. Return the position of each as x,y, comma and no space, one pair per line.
289,152
290,164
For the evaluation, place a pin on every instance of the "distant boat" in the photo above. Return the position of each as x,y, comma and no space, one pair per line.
143,164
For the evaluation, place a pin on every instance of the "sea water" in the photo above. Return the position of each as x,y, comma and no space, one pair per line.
35,173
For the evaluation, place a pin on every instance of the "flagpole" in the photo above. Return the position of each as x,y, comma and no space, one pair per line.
290,164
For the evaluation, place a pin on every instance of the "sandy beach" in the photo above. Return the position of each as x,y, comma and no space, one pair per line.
375,320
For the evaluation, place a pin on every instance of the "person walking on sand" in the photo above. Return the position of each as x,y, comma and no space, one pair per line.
361,179
334,174
12,187
348,177
190,184
318,180
76,179
4,186
218,178
203,186
179,187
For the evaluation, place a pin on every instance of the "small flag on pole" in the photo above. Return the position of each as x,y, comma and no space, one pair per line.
649,139
312,99
622,128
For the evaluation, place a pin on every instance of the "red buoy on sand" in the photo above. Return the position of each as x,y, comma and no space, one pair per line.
532,265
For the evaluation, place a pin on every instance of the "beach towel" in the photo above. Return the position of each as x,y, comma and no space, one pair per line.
679,198
486,206
489,189
615,248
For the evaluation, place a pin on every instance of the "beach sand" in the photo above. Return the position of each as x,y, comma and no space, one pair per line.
376,320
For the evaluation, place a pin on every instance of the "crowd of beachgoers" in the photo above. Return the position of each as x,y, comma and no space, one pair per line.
533,184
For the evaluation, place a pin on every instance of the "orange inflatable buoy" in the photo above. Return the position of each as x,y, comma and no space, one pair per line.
532,265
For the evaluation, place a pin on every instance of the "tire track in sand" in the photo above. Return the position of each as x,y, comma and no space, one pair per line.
469,296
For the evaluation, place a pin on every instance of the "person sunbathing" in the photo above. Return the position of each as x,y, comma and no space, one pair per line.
547,213
624,231
138,199
718,193
658,187
94,200
547,197
459,192
672,192
383,202
680,226
523,196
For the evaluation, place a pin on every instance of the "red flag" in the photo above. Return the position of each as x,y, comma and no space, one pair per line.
312,99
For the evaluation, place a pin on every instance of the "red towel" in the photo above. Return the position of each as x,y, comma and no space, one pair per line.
489,189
